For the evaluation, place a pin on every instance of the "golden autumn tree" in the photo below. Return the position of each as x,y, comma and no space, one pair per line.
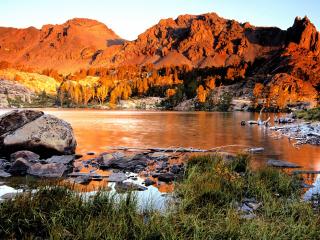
201,94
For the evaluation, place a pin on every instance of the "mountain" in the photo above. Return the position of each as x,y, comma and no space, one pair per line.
276,67
200,41
66,47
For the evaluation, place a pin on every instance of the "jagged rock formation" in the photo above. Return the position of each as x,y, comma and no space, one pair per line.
263,55
200,41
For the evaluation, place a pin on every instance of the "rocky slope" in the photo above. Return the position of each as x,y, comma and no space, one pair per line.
282,66
66,47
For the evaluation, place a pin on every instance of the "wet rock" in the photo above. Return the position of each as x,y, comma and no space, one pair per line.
50,170
35,131
78,156
166,177
175,169
3,162
159,156
149,182
112,156
27,155
64,159
255,150
80,180
19,167
281,164
129,186
117,177
134,163
4,174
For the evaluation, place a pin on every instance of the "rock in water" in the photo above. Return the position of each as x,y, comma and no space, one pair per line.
33,130
50,170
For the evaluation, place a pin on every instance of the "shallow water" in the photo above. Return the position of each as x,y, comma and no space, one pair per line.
96,130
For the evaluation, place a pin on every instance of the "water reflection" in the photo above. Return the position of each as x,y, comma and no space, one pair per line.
96,130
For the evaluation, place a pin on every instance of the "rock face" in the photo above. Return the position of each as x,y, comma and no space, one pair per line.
66,47
285,62
35,131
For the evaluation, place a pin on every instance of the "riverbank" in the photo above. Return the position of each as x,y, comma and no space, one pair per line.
216,199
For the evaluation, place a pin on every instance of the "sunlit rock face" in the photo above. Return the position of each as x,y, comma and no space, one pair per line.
241,51
66,47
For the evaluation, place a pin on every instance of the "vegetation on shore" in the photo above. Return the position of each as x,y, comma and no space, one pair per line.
309,115
206,207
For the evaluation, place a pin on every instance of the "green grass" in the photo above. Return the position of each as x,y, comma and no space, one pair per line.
309,115
205,208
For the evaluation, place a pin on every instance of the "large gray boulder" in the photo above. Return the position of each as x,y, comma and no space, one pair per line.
35,131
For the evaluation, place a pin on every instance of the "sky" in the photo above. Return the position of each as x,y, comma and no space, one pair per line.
129,18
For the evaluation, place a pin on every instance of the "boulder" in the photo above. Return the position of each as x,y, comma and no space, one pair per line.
19,167
50,170
15,119
35,131
130,163
4,174
27,155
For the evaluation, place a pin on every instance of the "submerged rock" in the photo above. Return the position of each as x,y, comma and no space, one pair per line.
129,186
282,164
35,131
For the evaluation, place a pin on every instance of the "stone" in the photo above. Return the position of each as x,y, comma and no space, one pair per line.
33,130
159,156
16,119
117,177
175,169
4,174
148,182
256,150
64,159
166,177
281,164
50,170
129,186
27,155
128,163
80,180
78,156
19,167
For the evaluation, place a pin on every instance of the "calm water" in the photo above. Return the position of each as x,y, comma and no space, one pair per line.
97,130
